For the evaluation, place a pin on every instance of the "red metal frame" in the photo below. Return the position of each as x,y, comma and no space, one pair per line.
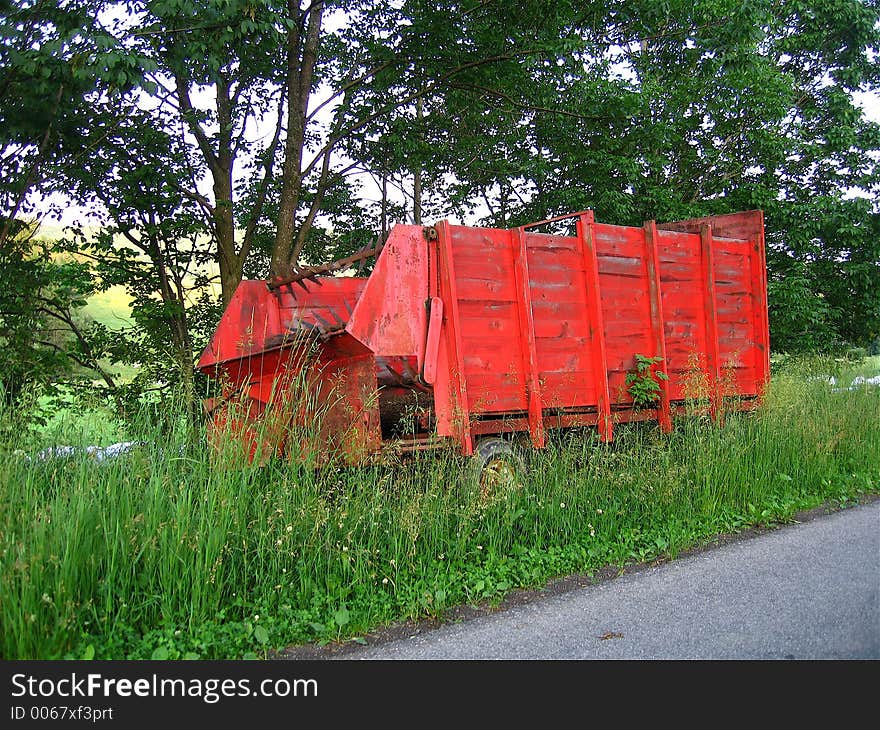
597,325
758,261
528,350
451,318
664,415
524,332
713,360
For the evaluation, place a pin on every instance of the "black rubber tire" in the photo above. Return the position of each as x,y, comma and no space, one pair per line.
497,463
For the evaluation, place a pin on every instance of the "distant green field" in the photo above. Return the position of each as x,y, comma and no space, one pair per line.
111,308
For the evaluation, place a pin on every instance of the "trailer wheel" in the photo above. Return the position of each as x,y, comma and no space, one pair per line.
498,465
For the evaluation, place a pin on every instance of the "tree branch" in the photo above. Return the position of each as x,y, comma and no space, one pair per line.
92,363
263,189
518,104
28,180
187,112
427,90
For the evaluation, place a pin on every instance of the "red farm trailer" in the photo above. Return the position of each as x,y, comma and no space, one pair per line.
462,333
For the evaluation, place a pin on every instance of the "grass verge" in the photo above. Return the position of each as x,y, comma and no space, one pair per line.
160,554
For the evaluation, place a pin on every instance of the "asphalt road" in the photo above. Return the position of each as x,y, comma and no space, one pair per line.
803,591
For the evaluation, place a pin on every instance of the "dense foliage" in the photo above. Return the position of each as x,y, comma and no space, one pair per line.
230,138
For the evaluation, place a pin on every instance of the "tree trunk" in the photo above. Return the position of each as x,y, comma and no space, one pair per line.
417,195
301,59
384,205
417,175
228,261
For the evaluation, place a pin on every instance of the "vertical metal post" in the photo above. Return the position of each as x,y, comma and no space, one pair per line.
664,416
758,262
597,325
527,344
449,294
713,360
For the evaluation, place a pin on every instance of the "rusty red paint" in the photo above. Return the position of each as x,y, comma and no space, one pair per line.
664,415
472,331
454,420
585,225
390,316
528,351
432,343
713,359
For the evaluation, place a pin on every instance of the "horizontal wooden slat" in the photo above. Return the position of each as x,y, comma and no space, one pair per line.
494,391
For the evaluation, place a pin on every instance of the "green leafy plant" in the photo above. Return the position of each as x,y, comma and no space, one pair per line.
643,382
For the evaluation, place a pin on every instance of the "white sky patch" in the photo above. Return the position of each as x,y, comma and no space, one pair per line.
870,104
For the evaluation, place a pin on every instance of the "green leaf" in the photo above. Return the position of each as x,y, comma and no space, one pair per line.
88,653
341,617
160,653
261,635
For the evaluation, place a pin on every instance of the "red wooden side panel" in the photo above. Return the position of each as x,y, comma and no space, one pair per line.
681,288
740,279
528,345
562,329
390,316
626,302
521,312
664,410
488,322
737,338
451,400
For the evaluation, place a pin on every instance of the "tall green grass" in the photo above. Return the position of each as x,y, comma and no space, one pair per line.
163,553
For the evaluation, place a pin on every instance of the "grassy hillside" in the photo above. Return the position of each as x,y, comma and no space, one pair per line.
111,308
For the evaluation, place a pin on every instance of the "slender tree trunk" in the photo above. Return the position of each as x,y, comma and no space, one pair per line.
228,260
172,293
384,205
220,164
417,195
417,175
301,59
